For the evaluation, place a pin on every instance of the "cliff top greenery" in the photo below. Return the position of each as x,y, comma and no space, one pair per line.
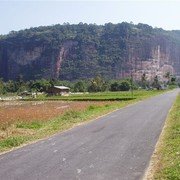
68,30
99,50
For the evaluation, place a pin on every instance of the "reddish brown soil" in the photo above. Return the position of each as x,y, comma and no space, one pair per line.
14,111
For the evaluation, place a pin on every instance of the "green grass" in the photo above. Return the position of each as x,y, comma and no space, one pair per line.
12,142
36,130
169,152
31,125
101,96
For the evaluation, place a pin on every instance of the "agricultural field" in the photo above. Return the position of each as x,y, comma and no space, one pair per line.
101,96
19,111
25,121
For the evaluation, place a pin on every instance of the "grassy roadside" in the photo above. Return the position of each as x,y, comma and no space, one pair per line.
24,132
166,159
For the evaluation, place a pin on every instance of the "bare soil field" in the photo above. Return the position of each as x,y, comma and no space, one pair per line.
20,111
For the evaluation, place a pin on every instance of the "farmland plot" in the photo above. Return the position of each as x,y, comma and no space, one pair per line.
30,111
14,112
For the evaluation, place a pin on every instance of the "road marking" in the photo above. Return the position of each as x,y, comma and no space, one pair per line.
78,171
91,166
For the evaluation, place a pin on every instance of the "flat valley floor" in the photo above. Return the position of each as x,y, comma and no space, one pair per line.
117,146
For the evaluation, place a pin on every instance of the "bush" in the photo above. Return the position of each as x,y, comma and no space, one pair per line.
92,107
120,86
124,86
114,86
172,86
71,115
79,86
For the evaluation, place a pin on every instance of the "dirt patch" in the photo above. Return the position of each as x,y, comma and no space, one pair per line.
17,111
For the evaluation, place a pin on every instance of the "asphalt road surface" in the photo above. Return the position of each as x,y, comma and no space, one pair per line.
116,146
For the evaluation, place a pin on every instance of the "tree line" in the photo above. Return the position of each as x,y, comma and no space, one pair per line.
96,84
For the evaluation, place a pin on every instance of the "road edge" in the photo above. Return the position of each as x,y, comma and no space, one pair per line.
154,160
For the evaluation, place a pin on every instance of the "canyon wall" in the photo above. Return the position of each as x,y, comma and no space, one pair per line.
71,52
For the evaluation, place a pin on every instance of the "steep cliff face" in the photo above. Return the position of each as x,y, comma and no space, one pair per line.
164,56
81,51
63,54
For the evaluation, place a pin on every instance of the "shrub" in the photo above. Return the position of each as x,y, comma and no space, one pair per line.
71,114
124,85
92,107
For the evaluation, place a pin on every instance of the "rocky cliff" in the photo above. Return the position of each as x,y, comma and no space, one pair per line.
70,52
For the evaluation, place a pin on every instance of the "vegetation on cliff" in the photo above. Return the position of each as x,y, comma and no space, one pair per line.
71,52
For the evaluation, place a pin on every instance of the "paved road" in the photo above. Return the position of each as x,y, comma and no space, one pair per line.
117,146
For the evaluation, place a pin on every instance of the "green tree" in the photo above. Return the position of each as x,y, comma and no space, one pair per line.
143,81
173,80
96,84
79,86
156,83
11,86
41,85
125,85
2,88
114,86
168,77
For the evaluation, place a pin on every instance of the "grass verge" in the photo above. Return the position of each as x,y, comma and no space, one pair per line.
24,132
166,159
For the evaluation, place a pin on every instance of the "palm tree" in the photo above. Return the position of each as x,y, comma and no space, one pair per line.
144,80
168,77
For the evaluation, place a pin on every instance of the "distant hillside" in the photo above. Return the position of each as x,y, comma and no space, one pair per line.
70,52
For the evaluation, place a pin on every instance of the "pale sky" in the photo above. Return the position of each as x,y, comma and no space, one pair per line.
17,15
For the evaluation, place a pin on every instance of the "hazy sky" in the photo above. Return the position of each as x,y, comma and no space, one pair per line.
16,15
